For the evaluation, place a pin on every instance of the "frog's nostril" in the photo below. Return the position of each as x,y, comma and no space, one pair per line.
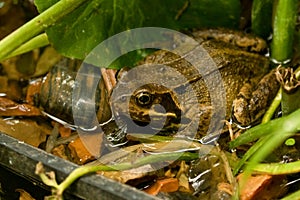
123,98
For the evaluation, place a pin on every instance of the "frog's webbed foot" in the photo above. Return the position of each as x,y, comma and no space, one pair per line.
252,102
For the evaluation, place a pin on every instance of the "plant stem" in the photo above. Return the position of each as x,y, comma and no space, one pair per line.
276,102
36,42
290,91
123,166
283,33
273,107
261,19
37,25
290,101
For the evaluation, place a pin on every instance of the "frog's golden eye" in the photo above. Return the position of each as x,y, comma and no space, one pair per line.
143,99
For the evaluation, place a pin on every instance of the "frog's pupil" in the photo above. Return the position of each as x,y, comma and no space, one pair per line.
144,99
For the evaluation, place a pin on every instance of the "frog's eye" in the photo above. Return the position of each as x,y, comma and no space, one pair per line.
143,99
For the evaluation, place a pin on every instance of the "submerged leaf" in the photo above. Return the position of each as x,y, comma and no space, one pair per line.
11,108
128,175
25,130
263,187
163,185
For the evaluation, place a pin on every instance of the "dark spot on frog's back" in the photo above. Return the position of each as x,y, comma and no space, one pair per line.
180,90
162,69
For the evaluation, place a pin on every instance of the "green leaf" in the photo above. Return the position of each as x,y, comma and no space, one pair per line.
83,29
36,26
261,18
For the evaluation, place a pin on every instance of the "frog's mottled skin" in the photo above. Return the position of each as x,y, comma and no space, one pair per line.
237,68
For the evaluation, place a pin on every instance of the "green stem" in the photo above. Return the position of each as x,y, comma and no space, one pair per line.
36,42
283,33
273,107
261,19
79,172
276,102
290,101
47,180
290,92
122,166
37,25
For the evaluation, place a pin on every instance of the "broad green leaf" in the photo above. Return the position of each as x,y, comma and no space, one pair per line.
96,20
261,18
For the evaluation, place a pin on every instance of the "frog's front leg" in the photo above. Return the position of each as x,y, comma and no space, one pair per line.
253,101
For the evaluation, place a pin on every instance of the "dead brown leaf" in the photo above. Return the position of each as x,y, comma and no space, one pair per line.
60,152
262,186
10,108
25,130
127,175
24,195
163,185
79,152
32,91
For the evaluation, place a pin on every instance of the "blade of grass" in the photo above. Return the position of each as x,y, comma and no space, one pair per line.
278,168
275,131
284,124
282,130
276,139
36,26
254,148
293,196
254,133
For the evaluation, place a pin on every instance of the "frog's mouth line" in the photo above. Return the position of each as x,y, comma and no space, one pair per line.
155,123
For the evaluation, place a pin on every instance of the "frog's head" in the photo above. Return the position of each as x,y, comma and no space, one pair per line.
151,105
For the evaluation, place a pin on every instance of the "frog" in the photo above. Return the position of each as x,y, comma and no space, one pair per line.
249,87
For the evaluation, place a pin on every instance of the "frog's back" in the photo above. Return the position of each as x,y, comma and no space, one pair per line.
236,67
